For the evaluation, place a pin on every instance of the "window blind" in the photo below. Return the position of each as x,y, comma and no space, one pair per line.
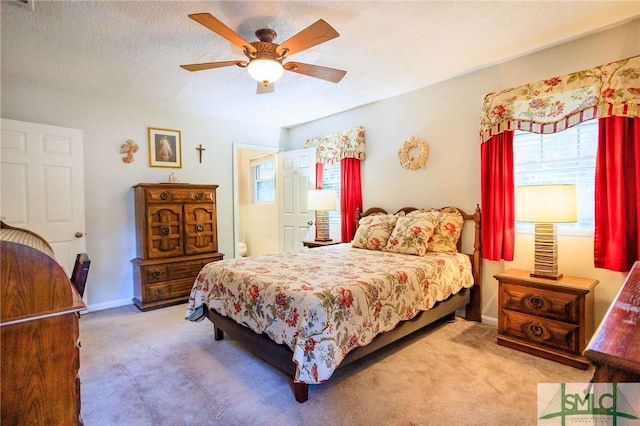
565,157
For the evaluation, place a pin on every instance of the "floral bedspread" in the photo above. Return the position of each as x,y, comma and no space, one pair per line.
324,302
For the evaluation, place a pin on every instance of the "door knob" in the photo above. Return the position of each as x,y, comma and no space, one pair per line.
79,234
310,223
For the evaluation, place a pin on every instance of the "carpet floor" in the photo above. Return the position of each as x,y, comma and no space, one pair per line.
155,368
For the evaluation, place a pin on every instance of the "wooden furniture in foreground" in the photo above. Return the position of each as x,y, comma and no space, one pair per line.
549,318
280,356
80,272
314,244
39,333
176,234
615,347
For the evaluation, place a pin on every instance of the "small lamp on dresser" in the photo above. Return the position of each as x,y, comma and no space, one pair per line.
322,201
546,205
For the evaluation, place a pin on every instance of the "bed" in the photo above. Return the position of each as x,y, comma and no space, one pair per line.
311,311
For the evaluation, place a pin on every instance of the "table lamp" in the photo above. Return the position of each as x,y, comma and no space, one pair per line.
546,205
322,201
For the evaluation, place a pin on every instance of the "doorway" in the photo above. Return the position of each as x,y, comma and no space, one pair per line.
255,222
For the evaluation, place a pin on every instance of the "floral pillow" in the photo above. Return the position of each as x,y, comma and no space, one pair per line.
373,231
448,227
411,235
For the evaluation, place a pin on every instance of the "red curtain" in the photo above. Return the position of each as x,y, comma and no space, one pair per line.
319,170
350,196
497,186
617,194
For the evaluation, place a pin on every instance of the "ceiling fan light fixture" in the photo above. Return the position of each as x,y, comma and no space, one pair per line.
265,70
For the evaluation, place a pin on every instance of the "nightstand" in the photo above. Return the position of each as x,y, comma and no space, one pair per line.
549,318
314,244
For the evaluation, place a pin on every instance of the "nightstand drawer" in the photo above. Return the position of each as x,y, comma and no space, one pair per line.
541,331
540,302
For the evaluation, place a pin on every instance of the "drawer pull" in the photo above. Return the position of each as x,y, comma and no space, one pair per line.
536,302
155,274
164,196
159,292
199,196
164,230
535,330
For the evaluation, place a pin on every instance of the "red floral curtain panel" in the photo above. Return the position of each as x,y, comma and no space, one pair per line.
550,106
347,147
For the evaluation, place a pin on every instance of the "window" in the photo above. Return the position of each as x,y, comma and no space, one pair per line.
565,157
263,179
331,180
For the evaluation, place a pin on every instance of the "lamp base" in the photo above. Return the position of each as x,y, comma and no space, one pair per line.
549,277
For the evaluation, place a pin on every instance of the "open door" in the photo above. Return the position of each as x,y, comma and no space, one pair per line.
43,185
296,176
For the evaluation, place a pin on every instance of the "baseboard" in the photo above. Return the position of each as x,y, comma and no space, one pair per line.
489,320
108,305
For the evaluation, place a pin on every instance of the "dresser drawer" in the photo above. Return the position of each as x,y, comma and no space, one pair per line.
164,195
169,289
188,269
541,331
153,274
540,302
173,270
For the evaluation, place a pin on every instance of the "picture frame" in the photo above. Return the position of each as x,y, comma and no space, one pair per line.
165,148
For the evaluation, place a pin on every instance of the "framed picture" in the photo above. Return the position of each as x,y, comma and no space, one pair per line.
165,148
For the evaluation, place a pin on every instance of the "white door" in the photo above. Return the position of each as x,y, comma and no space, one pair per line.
296,175
43,185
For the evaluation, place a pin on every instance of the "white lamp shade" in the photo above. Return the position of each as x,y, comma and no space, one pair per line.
265,70
546,203
321,199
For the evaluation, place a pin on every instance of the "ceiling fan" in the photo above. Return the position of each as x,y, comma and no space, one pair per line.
265,58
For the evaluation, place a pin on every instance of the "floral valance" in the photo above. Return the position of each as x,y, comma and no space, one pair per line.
344,144
553,105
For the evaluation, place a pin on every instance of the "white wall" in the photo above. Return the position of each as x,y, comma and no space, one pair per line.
107,124
447,116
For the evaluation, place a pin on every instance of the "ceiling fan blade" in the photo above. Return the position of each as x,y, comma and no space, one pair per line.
314,34
330,74
268,88
218,27
210,65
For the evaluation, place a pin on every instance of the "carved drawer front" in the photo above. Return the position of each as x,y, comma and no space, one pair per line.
164,231
189,269
549,304
169,289
182,287
156,292
153,274
168,195
541,331
200,228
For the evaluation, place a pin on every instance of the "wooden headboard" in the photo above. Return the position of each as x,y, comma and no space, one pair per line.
474,309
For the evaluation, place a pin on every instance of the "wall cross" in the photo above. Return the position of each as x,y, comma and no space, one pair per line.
200,149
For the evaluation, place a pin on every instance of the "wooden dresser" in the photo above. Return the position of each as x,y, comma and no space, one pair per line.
549,318
176,234
615,347
39,332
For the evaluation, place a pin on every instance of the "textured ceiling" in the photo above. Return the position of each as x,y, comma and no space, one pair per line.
133,49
